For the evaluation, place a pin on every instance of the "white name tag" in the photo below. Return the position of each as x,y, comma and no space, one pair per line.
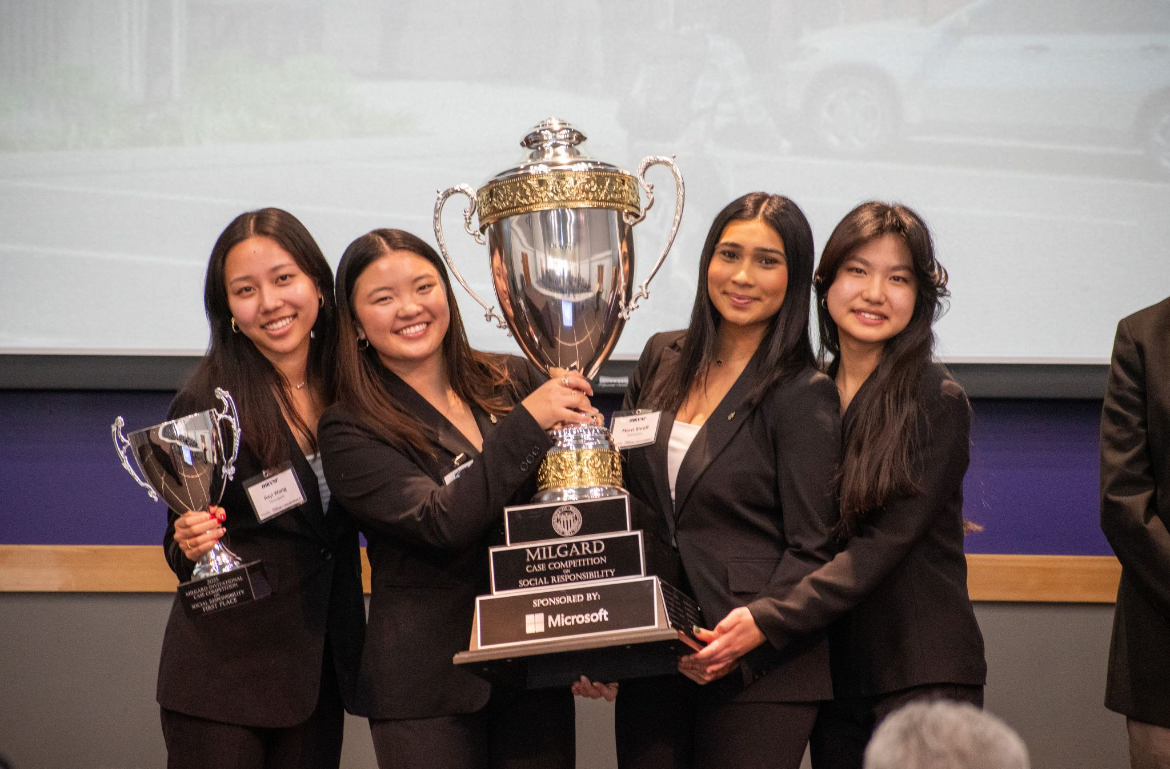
275,491
451,476
632,430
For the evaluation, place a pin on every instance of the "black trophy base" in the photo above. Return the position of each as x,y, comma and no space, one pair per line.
226,590
601,657
533,639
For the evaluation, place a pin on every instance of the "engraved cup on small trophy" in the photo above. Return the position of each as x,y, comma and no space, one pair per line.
187,462
559,231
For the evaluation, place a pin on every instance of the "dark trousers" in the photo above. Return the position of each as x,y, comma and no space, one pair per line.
752,735
196,743
516,730
844,725
654,723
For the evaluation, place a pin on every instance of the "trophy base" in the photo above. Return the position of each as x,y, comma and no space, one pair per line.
531,640
223,591
604,657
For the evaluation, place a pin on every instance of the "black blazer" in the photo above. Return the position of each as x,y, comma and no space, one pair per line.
755,506
428,541
259,664
1135,513
899,586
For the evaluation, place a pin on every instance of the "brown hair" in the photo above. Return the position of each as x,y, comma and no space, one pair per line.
787,348
233,361
877,462
476,377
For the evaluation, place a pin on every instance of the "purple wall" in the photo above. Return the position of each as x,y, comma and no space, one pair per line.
1032,483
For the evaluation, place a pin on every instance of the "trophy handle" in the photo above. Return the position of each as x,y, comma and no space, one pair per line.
643,291
229,466
121,445
490,313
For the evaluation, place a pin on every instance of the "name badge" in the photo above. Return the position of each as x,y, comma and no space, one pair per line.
451,476
633,429
274,491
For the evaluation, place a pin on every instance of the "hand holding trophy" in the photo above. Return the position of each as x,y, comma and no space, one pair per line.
186,462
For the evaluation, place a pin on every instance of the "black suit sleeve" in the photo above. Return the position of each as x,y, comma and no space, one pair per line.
638,378
389,491
808,450
887,535
1129,514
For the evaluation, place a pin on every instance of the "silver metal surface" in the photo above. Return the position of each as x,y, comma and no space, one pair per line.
562,270
679,198
562,279
187,462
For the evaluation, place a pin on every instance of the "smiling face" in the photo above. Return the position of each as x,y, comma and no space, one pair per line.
747,277
401,307
272,299
873,293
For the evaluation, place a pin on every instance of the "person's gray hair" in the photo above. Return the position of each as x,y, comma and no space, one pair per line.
944,735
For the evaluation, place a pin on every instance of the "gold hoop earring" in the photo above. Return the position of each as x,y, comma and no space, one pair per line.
363,343
823,303
320,300
235,328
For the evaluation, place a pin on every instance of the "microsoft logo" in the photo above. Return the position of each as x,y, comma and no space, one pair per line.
534,623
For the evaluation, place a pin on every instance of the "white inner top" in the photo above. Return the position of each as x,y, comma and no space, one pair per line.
681,437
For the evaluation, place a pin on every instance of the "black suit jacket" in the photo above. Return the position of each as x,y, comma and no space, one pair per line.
755,506
898,587
428,541
259,664
1135,513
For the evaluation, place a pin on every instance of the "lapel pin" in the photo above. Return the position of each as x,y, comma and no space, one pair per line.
731,416
492,417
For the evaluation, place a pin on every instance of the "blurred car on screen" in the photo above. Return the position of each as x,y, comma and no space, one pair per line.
1081,73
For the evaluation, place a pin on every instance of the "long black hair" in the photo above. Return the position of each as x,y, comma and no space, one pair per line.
477,378
878,447
786,344
233,361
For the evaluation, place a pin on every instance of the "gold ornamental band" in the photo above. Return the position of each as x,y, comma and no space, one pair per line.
580,468
556,189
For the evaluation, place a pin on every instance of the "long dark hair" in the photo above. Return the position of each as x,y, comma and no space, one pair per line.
786,344
477,378
877,463
233,361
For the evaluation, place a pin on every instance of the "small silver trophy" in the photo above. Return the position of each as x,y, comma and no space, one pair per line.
559,231
186,462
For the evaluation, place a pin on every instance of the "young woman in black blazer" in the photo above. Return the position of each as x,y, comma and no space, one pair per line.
263,684
428,442
904,629
746,510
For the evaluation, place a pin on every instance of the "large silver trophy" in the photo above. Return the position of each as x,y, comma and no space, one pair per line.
570,594
187,462
559,232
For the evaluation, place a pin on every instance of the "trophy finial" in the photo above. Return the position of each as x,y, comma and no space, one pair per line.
553,135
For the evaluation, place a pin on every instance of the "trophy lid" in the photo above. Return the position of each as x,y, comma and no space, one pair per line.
556,173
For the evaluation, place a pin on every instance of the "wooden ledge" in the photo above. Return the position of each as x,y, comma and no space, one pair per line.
142,569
